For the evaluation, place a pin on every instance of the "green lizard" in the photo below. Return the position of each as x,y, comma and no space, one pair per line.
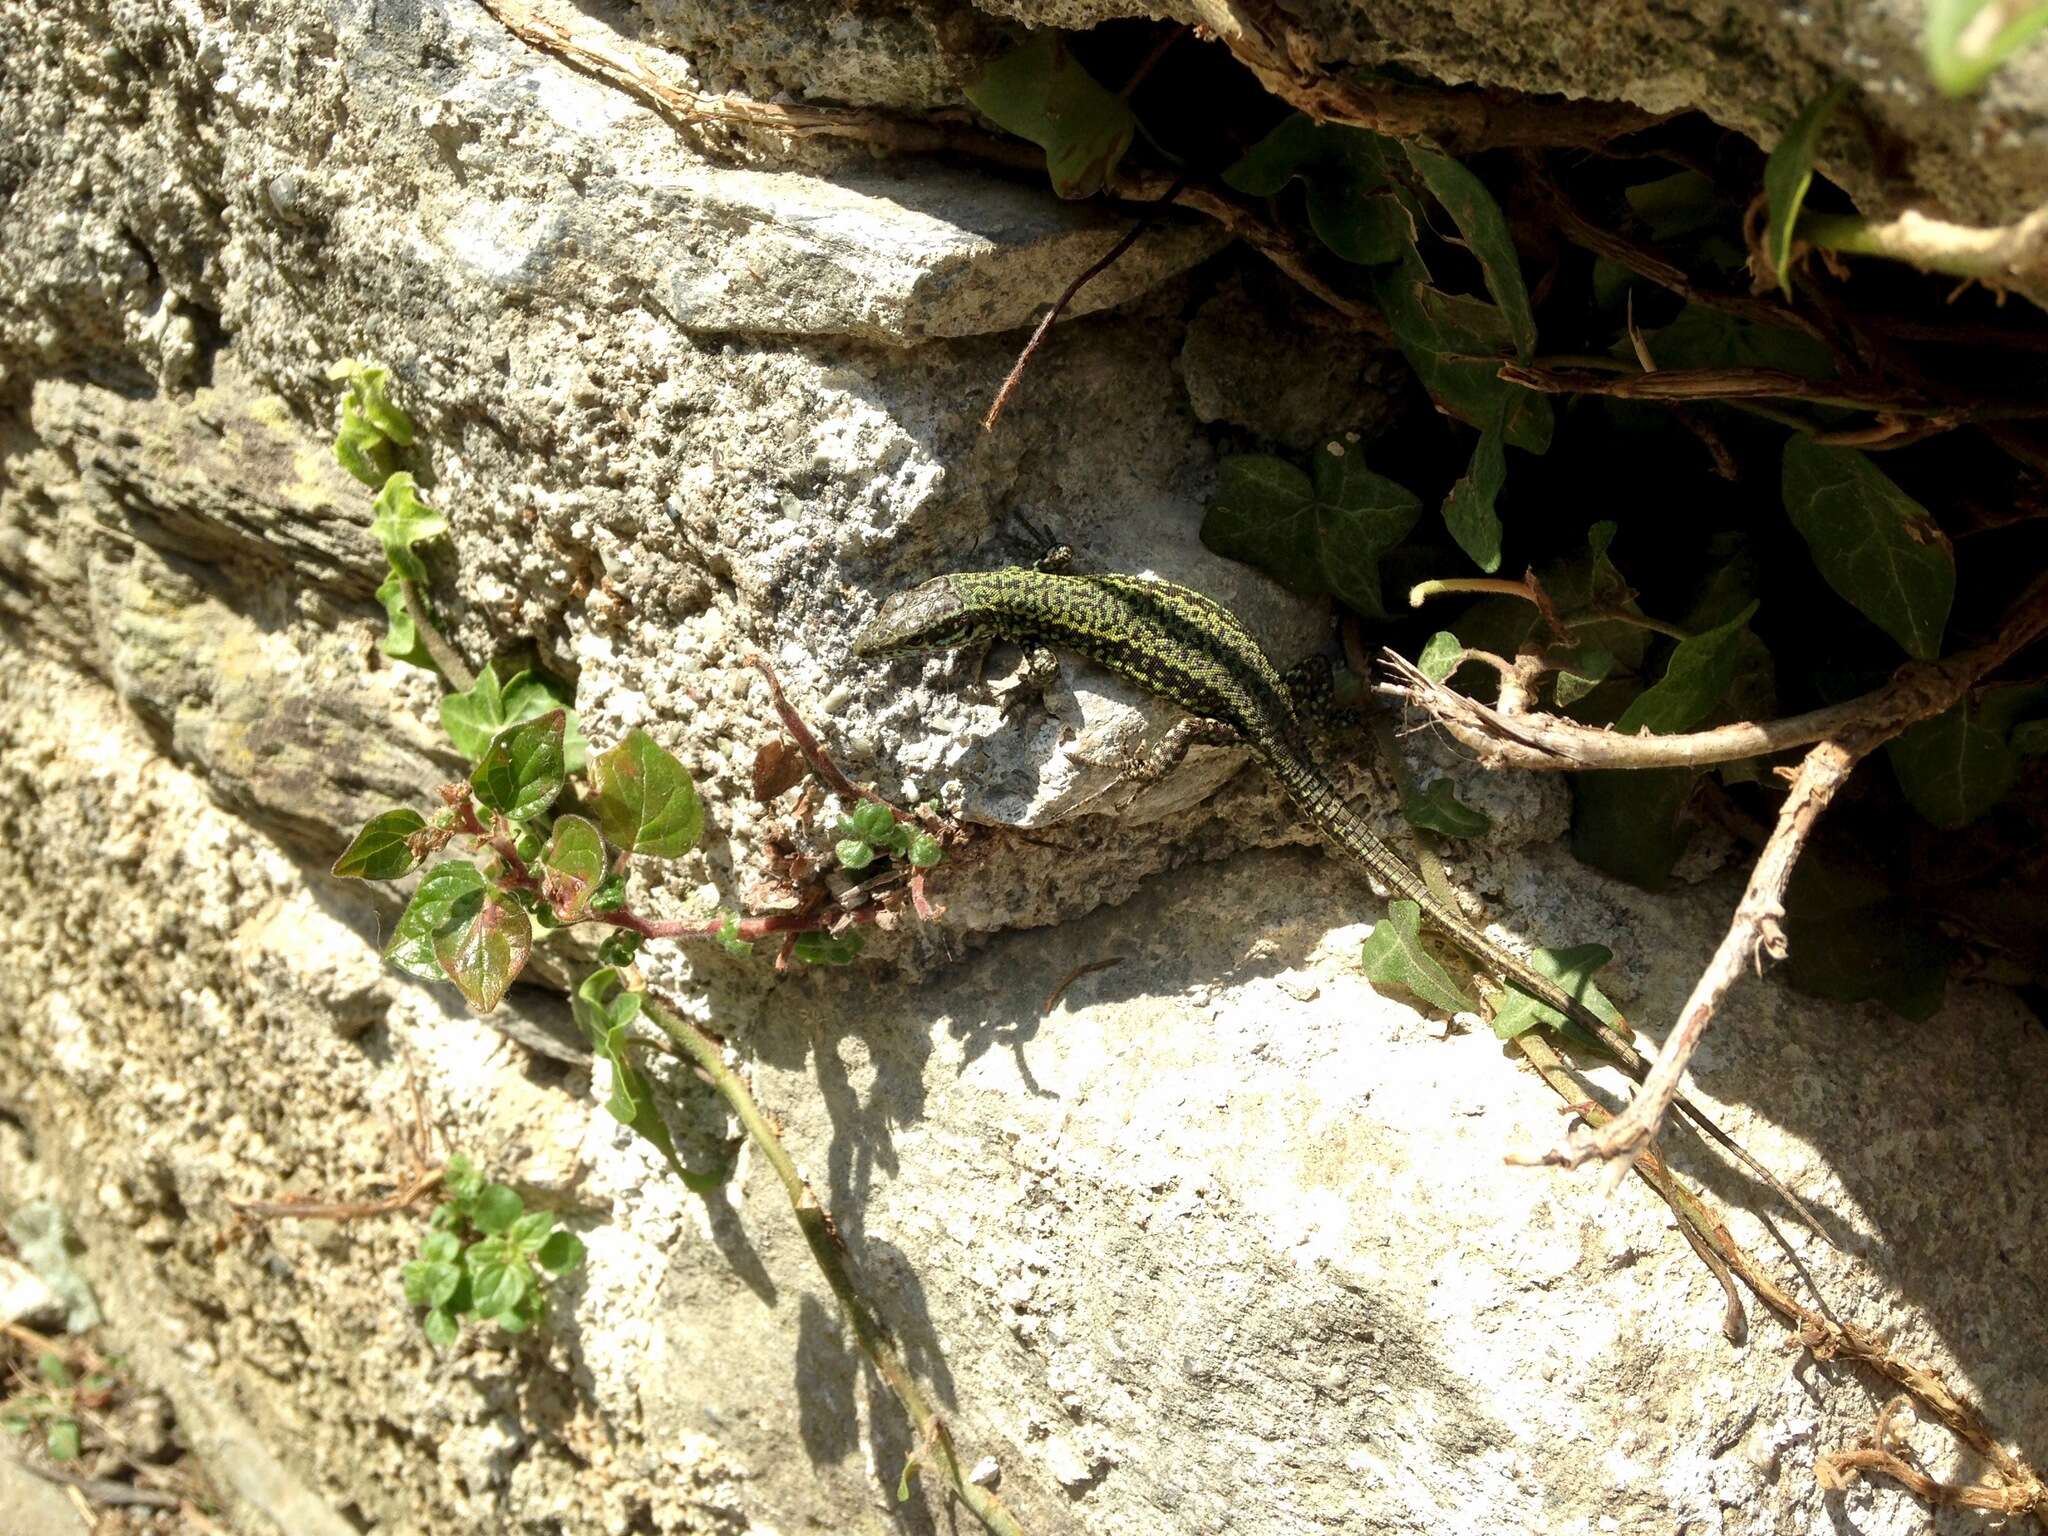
1188,648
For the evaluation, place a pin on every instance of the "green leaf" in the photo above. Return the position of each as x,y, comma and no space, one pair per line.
498,1288
1958,765
1675,206
1588,668
360,448
823,949
531,1230
462,1180
1876,546
381,851
1850,939
622,948
1438,338
925,851
1440,656
1705,337
1311,536
1468,511
60,1440
870,821
853,853
1965,40
1485,228
448,898
1571,968
369,389
574,866
430,1283
1345,172
606,1008
51,1368
442,1247
645,801
497,1207
484,955
471,719
1039,92
521,771
440,1328
1787,176
1695,679
1438,809
1393,956
402,521
562,1252
1626,823
401,639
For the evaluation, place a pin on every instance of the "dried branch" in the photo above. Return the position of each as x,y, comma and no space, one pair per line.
1827,1339
1059,305
1549,743
1575,226
1461,120
1758,930
829,1251
1547,378
2002,255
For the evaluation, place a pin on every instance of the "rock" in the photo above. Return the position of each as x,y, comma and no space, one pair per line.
26,1299
1225,1240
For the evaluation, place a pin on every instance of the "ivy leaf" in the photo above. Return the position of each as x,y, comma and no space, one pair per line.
471,719
605,1006
451,893
369,423
382,850
1961,763
521,773
1440,338
1468,510
1695,679
1850,939
402,521
1704,337
1674,206
1787,176
1588,668
1485,228
1440,656
1438,809
1965,40
1345,172
1876,546
1039,92
1311,536
401,639
1626,823
1571,968
574,864
1393,956
484,953
645,801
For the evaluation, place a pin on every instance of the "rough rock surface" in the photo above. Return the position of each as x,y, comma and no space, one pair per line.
1224,1240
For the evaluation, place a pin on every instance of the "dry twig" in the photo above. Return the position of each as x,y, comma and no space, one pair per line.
1920,692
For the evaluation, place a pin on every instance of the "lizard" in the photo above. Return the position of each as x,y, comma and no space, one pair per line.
1189,649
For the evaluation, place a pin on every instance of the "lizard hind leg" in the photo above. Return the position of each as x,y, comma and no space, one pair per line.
1165,755
1311,685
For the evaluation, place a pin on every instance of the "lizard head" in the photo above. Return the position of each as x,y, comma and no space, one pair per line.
932,616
